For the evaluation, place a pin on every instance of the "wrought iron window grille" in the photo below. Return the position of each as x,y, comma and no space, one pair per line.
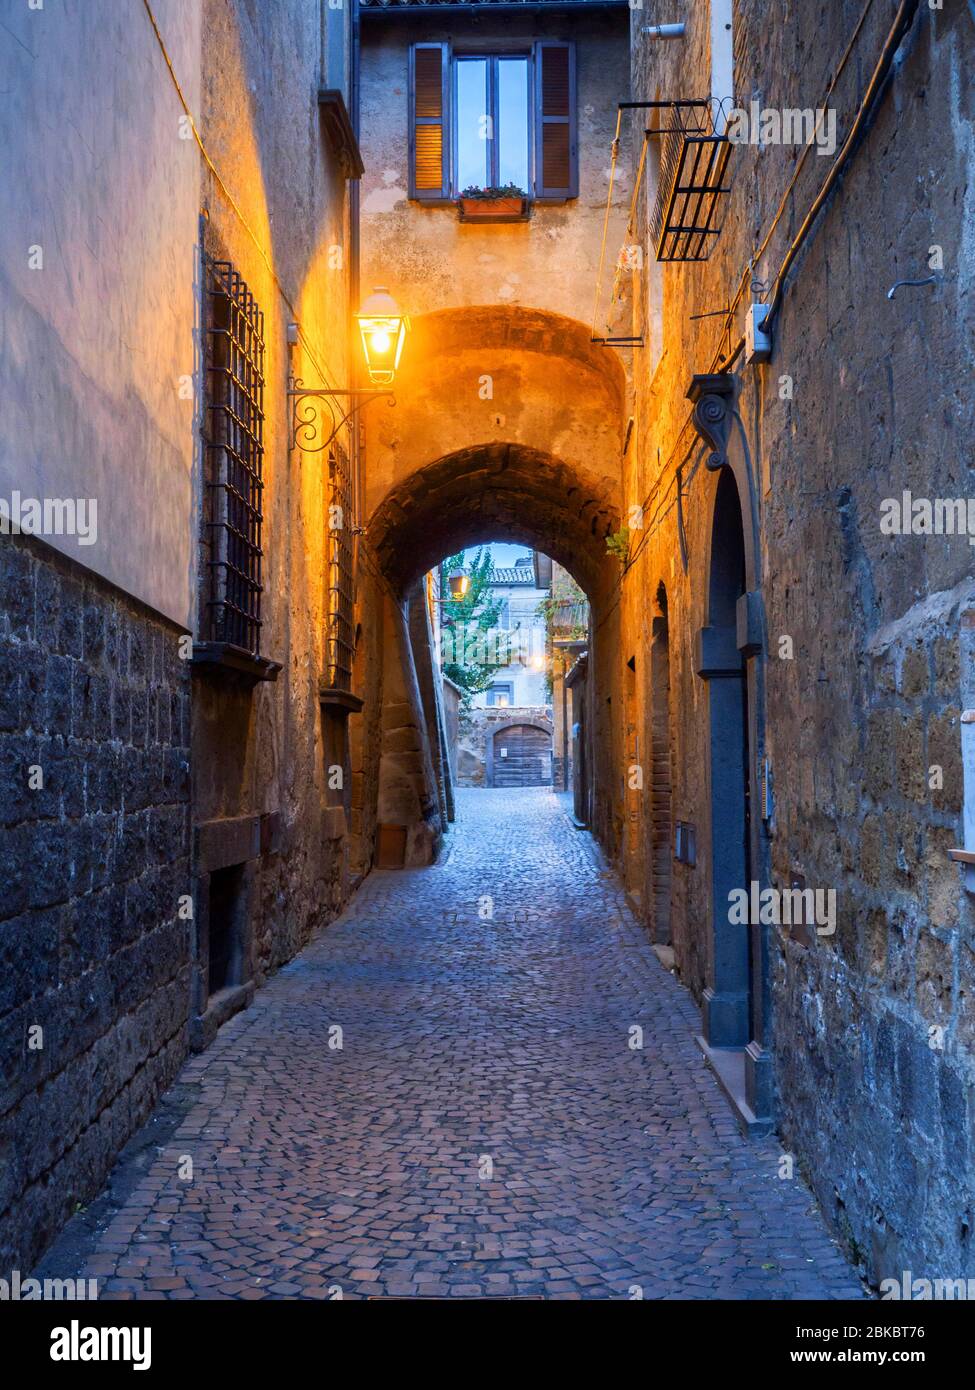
233,439
686,218
340,561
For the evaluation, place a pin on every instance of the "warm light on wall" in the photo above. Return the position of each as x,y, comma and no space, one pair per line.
383,328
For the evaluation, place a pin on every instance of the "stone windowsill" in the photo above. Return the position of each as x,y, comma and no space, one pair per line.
223,659
339,700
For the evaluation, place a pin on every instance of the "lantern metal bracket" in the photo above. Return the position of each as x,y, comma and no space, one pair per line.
319,412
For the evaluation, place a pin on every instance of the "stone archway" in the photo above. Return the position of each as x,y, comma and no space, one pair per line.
493,491
508,423
508,426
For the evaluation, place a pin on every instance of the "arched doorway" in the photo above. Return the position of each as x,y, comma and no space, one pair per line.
661,839
727,997
520,755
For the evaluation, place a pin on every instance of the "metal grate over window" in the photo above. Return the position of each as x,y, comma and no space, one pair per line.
688,213
341,561
233,428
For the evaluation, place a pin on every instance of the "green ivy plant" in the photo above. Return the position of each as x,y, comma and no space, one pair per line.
562,613
618,544
471,617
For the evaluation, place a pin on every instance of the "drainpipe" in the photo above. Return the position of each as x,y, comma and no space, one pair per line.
663,31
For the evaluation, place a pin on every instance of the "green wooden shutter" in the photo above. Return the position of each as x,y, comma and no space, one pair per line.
556,140
429,123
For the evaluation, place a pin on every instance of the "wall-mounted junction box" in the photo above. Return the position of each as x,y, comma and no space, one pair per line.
758,343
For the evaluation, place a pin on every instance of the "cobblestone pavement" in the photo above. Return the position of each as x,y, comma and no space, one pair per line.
466,1040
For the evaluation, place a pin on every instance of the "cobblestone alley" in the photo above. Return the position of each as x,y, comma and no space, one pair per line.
485,1127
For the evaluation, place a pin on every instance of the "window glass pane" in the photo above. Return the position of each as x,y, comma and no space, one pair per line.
513,121
472,123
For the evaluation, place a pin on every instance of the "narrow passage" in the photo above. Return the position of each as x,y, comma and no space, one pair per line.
485,1127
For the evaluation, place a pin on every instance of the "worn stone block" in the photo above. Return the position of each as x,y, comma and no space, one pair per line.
914,673
16,588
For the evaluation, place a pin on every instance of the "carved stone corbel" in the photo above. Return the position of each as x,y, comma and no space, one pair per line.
715,396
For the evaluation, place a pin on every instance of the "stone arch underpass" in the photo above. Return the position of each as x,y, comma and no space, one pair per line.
508,426
493,491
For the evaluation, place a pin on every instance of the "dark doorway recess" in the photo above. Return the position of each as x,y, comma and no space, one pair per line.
661,838
727,1015
227,923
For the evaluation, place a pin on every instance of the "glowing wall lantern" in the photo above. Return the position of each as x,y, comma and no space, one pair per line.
383,327
458,583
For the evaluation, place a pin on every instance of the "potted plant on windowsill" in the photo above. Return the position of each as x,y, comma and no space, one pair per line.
507,203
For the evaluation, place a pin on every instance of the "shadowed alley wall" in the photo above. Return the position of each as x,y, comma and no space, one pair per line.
111,879
854,671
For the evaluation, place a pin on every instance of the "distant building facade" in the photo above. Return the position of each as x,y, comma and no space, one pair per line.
521,633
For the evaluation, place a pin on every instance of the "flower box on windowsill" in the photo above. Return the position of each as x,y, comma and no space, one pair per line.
506,209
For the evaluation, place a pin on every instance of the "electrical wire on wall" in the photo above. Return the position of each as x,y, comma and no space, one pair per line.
618,272
231,200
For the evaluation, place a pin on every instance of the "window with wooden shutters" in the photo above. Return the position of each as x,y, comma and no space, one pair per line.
556,166
491,119
429,145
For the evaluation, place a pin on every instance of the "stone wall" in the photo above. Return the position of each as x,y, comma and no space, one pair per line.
852,652
261,754
452,696
478,726
95,868
122,908
427,257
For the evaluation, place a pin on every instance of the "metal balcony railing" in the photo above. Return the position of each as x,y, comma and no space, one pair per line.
688,210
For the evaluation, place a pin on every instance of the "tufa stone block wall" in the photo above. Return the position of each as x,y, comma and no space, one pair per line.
94,859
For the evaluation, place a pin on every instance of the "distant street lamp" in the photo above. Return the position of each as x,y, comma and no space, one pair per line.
383,328
458,584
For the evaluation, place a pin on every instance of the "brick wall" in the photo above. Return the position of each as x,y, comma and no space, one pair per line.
94,856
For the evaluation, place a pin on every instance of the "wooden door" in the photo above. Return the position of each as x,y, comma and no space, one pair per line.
522,757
